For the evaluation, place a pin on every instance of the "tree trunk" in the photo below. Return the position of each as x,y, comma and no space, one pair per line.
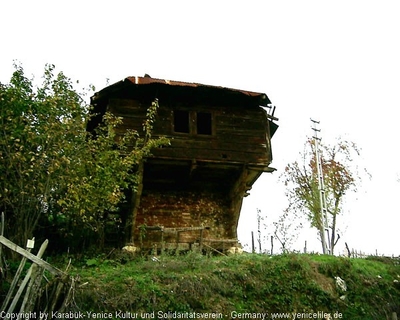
323,240
333,237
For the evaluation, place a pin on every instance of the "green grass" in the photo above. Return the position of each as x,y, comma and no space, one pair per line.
242,283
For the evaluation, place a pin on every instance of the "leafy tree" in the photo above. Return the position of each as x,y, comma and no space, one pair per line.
51,167
340,177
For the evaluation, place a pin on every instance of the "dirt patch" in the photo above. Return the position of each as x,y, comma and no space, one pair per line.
326,283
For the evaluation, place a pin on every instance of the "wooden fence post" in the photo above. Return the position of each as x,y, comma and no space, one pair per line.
28,276
201,240
253,249
16,277
162,241
272,245
35,276
1,246
34,288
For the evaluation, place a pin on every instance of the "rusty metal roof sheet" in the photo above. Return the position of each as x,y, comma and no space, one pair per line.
261,98
149,80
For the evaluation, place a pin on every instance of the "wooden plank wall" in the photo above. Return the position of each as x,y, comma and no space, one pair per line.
240,134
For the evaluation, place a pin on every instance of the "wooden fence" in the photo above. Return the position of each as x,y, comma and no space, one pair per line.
44,288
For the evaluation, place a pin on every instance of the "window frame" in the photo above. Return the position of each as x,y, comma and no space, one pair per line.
193,124
174,121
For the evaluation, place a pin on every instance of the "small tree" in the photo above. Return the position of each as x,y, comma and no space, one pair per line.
340,176
287,230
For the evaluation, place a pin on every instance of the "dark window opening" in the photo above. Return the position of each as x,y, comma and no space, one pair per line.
204,123
181,121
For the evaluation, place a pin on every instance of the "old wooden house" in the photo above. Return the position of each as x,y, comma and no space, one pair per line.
191,192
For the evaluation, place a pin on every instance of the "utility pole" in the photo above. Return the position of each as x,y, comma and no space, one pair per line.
324,218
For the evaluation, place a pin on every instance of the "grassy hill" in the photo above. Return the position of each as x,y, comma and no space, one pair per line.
242,286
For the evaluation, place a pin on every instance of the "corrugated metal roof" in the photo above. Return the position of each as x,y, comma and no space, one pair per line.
148,80
259,98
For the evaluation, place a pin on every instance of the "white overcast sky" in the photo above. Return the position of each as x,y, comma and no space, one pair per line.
334,61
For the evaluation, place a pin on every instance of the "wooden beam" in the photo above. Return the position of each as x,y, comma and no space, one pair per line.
183,229
136,198
11,245
220,240
214,249
178,229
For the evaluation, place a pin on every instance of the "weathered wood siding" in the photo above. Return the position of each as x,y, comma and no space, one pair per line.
239,134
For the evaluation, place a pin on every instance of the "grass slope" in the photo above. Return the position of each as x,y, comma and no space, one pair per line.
238,286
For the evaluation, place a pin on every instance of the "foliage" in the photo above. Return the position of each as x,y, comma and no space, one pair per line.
287,230
340,177
241,283
53,171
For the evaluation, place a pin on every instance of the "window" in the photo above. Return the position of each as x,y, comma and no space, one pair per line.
181,121
204,123
192,122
